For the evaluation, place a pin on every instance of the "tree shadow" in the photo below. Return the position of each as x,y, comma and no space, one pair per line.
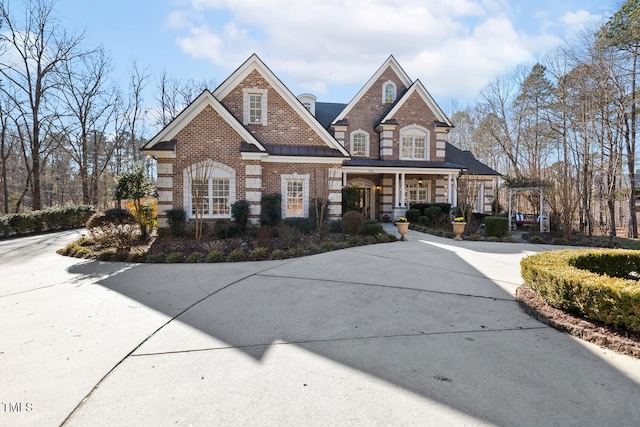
428,316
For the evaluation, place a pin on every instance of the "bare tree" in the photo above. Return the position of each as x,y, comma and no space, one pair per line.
175,95
35,50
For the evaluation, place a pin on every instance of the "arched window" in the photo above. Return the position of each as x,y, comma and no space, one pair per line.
388,92
209,189
359,143
414,143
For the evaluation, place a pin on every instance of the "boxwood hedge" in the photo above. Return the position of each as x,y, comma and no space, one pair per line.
588,282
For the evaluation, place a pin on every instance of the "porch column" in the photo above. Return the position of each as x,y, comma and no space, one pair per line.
403,202
397,191
344,178
449,190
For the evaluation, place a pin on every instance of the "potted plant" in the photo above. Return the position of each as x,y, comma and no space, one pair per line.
403,226
458,227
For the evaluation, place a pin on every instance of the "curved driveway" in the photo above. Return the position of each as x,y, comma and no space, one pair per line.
423,332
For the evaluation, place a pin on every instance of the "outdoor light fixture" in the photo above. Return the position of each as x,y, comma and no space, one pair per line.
420,180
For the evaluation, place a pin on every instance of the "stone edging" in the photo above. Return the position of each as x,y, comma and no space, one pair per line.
617,340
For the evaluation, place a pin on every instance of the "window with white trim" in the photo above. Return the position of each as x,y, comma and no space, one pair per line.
417,193
388,92
209,189
414,143
255,106
295,195
359,143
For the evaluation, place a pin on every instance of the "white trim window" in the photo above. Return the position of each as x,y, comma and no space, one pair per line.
255,106
295,196
389,92
359,143
417,193
414,143
210,188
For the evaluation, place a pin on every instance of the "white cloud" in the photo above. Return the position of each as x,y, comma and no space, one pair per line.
575,21
453,46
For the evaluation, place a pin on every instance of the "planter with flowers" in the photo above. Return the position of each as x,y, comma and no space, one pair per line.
458,227
403,226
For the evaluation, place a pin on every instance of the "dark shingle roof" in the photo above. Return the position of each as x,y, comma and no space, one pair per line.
466,158
326,112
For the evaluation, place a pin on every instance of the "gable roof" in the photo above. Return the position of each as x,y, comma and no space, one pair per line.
466,158
327,111
418,88
390,62
254,63
162,141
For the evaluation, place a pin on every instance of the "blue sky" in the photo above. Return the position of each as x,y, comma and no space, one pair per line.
331,47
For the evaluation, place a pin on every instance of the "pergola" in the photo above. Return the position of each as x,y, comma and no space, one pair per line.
513,190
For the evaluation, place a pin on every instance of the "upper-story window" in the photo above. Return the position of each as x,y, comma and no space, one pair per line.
388,92
359,143
414,143
255,106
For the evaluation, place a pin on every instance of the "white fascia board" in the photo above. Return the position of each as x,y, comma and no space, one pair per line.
426,97
253,156
390,62
254,63
424,171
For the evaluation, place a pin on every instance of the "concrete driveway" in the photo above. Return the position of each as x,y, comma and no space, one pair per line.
423,332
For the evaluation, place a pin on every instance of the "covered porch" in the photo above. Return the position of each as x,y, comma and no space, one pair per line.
392,190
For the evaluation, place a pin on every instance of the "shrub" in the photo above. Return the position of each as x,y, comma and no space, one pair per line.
556,277
195,257
215,255
271,209
475,237
312,211
371,228
370,240
263,237
352,222
156,258
350,199
295,252
328,246
424,220
279,254
258,254
236,255
496,226
413,214
434,214
302,225
335,226
559,241
177,218
288,236
535,239
5,228
508,239
240,211
116,227
23,223
175,257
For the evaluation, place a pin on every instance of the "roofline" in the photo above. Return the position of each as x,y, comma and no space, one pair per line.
255,63
390,62
418,87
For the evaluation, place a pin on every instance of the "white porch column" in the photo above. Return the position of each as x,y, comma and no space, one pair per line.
344,178
403,202
397,192
449,189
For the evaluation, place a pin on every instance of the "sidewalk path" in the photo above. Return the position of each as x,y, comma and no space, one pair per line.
423,332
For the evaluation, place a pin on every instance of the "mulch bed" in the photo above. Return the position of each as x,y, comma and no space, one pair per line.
618,340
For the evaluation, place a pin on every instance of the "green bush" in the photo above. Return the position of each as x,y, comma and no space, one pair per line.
329,246
434,215
177,219
475,237
215,255
175,257
535,240
258,254
5,228
413,214
236,255
279,254
424,220
352,222
195,258
302,225
371,227
559,241
156,258
240,211
496,226
555,277
271,209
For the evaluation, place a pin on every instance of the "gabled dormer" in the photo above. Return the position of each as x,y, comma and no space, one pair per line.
270,111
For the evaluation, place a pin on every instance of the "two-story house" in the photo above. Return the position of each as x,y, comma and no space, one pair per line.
251,137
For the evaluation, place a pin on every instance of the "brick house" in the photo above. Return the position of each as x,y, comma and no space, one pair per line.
251,137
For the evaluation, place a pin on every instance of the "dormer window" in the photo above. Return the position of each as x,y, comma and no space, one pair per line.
388,92
255,106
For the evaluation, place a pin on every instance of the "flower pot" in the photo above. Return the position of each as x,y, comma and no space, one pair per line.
403,227
458,228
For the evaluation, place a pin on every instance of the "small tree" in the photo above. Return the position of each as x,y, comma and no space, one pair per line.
135,184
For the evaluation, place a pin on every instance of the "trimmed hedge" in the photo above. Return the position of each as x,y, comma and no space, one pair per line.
570,280
58,218
496,226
